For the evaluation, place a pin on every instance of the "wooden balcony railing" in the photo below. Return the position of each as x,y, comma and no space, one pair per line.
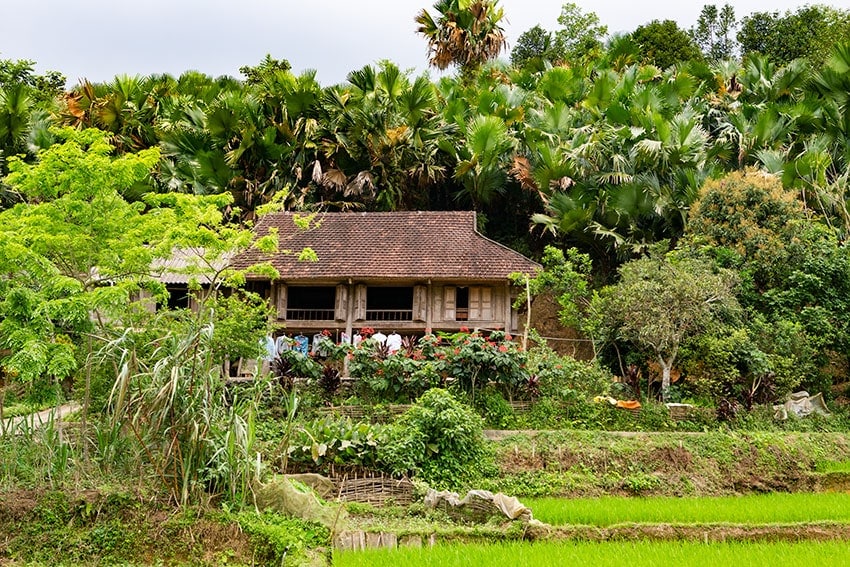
310,314
389,314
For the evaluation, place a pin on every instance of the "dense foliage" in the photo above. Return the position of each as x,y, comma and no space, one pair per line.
689,209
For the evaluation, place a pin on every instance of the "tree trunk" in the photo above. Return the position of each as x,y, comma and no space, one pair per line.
666,367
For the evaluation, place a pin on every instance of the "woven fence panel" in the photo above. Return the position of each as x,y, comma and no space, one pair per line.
375,490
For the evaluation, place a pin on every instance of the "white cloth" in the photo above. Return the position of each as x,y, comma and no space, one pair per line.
269,350
380,337
393,342
282,344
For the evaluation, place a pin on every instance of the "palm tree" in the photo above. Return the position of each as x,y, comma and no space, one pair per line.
466,33
380,144
16,106
621,166
482,159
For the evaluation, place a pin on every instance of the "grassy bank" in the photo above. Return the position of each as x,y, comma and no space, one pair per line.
120,528
594,463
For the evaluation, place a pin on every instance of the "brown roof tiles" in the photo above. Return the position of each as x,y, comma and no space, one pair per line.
397,245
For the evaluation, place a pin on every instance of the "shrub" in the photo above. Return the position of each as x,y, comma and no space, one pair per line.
495,410
438,440
278,540
398,377
331,441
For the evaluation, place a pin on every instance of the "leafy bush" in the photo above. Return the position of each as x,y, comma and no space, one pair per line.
279,540
398,377
329,440
474,361
290,364
564,377
495,410
438,440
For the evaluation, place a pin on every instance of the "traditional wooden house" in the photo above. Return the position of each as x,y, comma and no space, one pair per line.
409,272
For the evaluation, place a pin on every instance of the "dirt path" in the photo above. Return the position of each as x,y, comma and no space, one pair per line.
40,419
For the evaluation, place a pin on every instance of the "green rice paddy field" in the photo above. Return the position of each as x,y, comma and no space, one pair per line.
774,508
633,554
795,512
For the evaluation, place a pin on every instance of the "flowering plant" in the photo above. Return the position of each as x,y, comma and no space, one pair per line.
469,361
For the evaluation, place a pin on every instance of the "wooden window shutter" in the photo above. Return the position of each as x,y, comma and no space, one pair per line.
449,302
341,303
486,303
360,302
420,303
480,304
280,300
474,303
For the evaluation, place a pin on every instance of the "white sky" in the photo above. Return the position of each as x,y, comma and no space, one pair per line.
97,39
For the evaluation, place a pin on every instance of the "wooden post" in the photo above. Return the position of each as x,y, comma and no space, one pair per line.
527,315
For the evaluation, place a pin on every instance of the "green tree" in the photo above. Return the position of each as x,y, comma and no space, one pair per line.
466,33
581,33
714,32
75,251
811,32
482,159
535,48
268,67
72,252
46,88
794,271
660,302
664,44
379,144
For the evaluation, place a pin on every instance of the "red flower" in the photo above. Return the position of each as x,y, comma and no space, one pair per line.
508,338
503,348
464,329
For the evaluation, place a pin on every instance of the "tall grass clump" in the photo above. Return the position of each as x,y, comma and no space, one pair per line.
188,432
35,455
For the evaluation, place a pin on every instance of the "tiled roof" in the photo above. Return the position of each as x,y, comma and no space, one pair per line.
186,264
398,245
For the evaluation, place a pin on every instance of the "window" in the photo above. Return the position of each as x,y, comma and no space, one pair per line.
389,304
480,304
462,304
310,303
473,303
178,296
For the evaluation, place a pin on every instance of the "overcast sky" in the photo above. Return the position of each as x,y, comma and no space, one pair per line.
97,39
